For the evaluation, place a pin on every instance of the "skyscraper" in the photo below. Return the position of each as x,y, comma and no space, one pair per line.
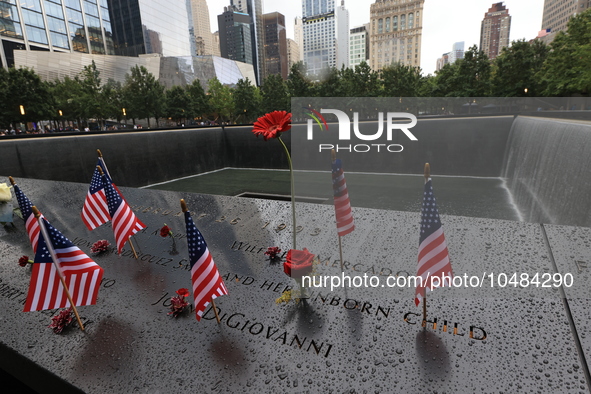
326,35
150,26
254,8
275,49
201,28
235,35
293,53
396,32
54,26
358,45
494,31
558,12
298,34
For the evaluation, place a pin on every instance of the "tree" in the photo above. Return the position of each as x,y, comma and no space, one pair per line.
248,101
401,80
198,102
298,85
93,102
473,74
143,95
515,69
113,97
23,87
366,82
274,92
178,103
566,70
221,100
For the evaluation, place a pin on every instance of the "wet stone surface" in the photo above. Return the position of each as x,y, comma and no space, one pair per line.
349,339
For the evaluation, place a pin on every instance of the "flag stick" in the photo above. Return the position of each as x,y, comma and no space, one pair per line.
132,248
100,170
215,309
11,181
333,157
55,262
425,308
427,174
100,156
341,252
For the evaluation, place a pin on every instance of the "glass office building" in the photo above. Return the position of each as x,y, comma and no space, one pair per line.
54,26
152,26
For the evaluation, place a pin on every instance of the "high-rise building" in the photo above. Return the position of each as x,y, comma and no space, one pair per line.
557,13
215,37
457,52
275,49
326,35
254,8
442,61
293,53
396,33
201,27
298,33
358,45
54,26
150,26
494,31
235,36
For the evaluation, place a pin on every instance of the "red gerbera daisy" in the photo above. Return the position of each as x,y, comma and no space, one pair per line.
272,124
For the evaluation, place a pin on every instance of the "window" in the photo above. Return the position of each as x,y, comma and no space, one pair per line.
395,23
387,25
402,22
410,20
380,26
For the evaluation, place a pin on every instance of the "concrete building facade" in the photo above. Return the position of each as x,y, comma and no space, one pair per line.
358,45
325,35
494,30
395,35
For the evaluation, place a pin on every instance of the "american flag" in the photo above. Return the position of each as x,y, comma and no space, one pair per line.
30,222
95,210
433,254
342,205
207,282
124,221
82,275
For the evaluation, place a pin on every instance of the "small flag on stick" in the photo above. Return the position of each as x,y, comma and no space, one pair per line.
433,254
205,277
25,206
95,211
342,205
124,221
62,274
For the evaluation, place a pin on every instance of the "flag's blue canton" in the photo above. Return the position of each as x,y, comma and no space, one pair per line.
23,202
96,183
195,240
57,240
113,198
430,221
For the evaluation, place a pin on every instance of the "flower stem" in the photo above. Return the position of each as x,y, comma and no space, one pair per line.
293,214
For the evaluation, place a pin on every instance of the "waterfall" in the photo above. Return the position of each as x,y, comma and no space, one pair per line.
546,169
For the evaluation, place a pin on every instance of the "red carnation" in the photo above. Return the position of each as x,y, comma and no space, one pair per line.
23,261
183,292
272,124
273,252
298,263
165,231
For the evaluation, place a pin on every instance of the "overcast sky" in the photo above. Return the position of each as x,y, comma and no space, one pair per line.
444,22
